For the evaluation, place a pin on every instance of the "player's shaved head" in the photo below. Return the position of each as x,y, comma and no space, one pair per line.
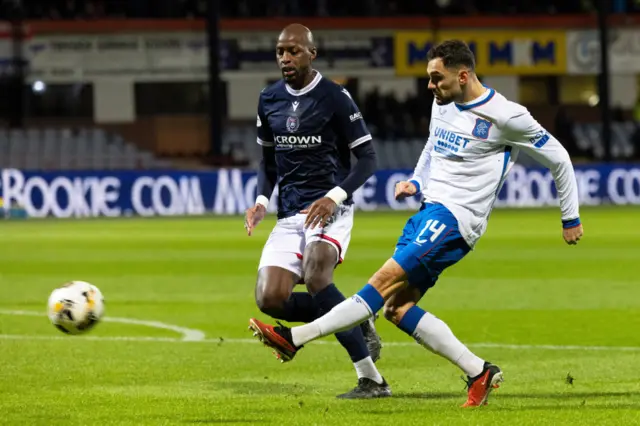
297,33
295,52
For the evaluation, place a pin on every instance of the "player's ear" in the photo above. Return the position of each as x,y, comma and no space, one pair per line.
463,77
314,52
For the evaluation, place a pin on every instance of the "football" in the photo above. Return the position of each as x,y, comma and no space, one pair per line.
76,307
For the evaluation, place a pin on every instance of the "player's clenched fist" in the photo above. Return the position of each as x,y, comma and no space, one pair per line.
253,216
405,189
572,235
319,213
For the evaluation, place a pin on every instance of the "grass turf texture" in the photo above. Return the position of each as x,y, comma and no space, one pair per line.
522,286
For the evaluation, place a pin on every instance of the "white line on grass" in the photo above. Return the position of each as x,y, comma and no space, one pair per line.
191,335
188,334
101,338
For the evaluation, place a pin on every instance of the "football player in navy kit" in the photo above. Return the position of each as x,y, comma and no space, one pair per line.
308,127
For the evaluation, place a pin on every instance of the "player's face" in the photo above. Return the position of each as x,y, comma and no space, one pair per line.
445,83
294,59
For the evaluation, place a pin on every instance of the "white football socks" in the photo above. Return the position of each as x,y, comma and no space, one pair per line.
347,314
366,368
435,335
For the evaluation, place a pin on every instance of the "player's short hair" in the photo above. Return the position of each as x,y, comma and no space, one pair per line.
454,54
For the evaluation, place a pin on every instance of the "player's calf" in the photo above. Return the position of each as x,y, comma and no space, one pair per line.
319,262
435,335
432,333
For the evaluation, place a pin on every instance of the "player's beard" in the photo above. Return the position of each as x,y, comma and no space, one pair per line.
440,100
291,75
452,95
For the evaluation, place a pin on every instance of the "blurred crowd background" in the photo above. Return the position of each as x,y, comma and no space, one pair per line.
162,9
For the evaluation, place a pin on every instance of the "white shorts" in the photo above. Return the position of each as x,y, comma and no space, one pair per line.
287,241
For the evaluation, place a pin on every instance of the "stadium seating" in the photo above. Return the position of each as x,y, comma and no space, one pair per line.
66,149
240,142
47,9
589,140
95,149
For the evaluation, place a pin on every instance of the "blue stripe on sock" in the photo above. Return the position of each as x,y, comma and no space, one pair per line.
411,319
372,298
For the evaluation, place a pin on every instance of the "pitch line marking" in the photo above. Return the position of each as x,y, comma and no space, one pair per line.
221,341
188,334
192,335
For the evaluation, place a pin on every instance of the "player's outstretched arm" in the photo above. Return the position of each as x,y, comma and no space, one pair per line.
526,133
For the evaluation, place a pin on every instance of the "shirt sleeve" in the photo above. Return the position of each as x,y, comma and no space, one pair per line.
265,134
421,171
350,120
524,132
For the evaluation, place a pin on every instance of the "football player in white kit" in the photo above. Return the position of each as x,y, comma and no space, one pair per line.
475,137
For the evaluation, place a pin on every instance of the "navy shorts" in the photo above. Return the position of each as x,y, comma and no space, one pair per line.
430,243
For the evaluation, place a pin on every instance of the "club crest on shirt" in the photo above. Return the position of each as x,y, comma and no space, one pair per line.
481,129
292,124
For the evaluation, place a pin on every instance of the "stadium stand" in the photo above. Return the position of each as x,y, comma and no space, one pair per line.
71,149
92,9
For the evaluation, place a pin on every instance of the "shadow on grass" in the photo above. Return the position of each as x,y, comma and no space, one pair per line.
263,387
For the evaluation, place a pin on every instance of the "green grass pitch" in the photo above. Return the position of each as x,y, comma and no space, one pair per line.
523,299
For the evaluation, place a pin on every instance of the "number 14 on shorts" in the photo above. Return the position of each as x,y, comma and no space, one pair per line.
435,227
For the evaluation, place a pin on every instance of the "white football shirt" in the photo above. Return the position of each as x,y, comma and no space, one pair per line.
470,150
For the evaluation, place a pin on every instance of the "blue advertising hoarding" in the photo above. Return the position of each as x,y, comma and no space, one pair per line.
231,191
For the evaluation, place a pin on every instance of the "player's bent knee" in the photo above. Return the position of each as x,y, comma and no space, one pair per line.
400,303
273,289
271,300
394,313
389,313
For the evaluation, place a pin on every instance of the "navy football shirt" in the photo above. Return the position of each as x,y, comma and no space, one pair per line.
313,131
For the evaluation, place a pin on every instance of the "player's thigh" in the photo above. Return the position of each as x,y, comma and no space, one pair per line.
318,265
336,233
284,247
326,248
435,245
400,302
